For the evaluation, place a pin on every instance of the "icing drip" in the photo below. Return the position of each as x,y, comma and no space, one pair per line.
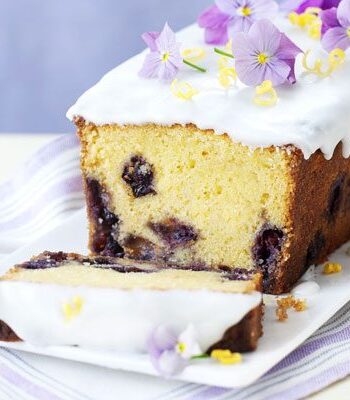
313,114
117,319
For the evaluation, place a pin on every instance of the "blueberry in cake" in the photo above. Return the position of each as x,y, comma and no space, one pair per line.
107,303
198,171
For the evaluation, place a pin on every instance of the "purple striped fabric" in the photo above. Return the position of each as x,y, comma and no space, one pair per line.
53,175
54,192
316,383
26,385
41,158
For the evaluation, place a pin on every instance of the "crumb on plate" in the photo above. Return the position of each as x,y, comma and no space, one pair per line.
332,268
285,303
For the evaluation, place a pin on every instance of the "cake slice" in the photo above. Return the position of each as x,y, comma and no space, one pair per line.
106,303
218,180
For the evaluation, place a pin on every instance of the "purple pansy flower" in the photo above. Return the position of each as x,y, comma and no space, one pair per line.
322,4
169,353
164,59
264,53
227,17
336,27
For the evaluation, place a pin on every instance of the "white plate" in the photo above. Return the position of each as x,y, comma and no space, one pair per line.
278,341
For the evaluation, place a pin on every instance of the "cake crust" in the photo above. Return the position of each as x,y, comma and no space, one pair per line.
319,215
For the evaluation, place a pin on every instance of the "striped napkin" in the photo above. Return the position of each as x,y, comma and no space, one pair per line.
38,198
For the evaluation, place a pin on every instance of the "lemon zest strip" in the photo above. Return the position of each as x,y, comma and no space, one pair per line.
227,76
266,95
223,62
228,47
335,59
183,90
193,54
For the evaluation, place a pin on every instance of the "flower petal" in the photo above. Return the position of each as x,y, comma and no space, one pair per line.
239,24
265,37
291,77
242,47
167,71
166,40
169,363
212,17
250,73
263,8
230,6
150,39
309,3
287,50
330,4
175,56
189,338
343,13
218,36
336,38
151,65
288,6
277,71
329,19
161,339
215,23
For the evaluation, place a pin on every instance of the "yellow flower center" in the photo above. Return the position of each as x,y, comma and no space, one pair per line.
165,57
263,58
245,11
348,32
181,347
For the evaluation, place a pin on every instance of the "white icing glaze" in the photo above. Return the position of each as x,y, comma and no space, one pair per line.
313,114
305,289
117,319
310,274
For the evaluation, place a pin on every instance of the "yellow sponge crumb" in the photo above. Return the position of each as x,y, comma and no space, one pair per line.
225,191
332,268
285,303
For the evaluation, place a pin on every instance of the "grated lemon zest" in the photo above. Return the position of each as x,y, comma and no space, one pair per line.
72,308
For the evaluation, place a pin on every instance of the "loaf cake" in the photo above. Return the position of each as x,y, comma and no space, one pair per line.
106,303
219,180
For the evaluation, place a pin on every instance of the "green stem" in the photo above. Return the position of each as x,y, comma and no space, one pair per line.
201,356
197,67
223,53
